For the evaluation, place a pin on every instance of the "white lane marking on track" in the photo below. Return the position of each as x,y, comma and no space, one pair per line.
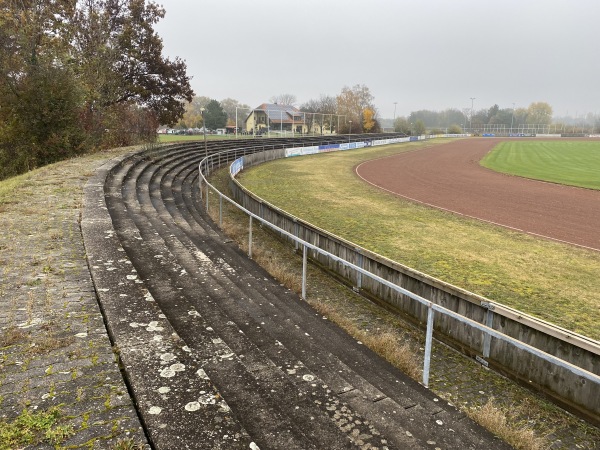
469,216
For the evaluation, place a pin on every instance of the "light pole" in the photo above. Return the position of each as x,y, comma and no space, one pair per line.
202,110
395,103
350,131
236,118
512,119
471,117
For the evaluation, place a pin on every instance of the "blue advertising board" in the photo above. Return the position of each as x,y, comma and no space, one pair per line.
237,166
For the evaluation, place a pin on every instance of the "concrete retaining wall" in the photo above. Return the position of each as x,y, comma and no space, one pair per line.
570,390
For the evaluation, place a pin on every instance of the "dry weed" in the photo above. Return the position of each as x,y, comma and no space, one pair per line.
386,343
11,336
497,421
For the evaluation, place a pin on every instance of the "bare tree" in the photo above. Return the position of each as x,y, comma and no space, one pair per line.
321,112
284,99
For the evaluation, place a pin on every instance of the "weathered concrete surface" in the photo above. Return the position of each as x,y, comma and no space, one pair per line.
172,393
54,347
218,354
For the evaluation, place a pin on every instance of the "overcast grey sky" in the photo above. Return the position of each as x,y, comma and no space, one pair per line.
428,54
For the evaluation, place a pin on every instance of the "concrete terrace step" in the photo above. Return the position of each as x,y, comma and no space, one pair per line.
266,409
165,380
279,374
190,267
338,374
343,386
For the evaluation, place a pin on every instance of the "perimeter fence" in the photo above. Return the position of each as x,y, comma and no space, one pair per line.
550,359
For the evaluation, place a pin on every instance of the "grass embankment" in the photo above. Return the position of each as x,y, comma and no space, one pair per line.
576,163
552,281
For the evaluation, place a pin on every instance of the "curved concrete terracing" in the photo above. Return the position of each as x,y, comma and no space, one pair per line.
217,353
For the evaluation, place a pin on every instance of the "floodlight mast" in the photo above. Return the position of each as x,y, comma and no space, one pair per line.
512,119
471,117
236,118
202,110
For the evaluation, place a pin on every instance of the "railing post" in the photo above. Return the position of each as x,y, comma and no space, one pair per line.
304,266
207,191
428,342
250,238
359,274
220,210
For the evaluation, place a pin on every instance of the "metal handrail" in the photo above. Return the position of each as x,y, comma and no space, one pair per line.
432,307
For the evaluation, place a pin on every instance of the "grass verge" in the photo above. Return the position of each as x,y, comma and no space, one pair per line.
555,282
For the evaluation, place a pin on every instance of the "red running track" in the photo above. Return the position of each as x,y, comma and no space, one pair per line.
449,177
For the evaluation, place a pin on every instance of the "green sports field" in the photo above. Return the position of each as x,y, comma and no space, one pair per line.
556,282
575,163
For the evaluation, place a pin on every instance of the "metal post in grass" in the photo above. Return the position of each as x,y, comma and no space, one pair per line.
304,264
207,191
220,210
428,342
250,238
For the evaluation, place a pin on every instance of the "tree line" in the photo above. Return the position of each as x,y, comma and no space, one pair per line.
455,120
78,75
353,110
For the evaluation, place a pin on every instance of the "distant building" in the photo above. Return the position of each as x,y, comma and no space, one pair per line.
271,117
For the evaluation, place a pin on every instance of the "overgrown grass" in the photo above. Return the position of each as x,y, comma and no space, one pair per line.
576,163
128,444
18,188
552,281
8,187
34,428
494,419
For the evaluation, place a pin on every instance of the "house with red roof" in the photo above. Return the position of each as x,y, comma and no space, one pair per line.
274,118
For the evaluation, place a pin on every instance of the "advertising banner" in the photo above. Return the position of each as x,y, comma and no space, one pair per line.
237,166
296,151
328,148
301,151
